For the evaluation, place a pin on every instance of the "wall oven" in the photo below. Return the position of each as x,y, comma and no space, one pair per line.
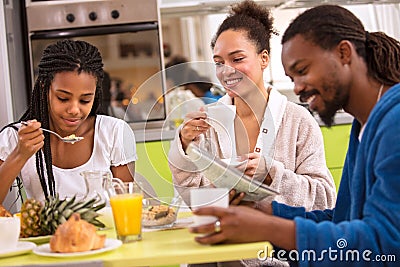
127,33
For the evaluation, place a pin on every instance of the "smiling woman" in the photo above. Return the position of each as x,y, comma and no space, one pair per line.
280,140
65,99
262,117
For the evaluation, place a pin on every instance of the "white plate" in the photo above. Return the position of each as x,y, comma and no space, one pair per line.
44,250
22,248
37,239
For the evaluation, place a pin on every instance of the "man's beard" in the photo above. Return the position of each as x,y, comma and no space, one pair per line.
328,114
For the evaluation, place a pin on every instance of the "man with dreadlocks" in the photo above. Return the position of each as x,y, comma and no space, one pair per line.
66,99
334,63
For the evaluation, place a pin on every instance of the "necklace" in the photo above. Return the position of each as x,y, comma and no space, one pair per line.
379,93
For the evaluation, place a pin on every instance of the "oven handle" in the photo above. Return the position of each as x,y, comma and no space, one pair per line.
99,30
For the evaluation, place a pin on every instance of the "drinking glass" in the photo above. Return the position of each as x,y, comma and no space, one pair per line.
97,183
207,144
126,204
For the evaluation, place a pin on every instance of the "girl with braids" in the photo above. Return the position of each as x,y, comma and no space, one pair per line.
335,64
66,99
298,169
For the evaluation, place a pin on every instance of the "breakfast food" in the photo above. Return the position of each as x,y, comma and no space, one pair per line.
72,136
38,219
76,235
4,212
158,215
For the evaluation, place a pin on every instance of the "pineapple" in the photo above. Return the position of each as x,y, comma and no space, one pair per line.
30,218
38,219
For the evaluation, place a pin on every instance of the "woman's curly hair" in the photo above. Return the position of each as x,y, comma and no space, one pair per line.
252,18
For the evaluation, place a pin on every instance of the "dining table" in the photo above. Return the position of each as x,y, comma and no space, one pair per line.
172,246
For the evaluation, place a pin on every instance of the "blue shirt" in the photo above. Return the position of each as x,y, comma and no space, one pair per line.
364,227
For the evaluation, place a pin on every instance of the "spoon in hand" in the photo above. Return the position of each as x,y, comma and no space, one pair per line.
68,139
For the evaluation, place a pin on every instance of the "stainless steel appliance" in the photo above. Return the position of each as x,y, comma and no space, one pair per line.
127,33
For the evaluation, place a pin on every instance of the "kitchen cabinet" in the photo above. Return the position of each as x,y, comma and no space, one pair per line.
129,40
336,141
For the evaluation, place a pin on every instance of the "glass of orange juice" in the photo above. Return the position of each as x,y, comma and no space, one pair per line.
126,205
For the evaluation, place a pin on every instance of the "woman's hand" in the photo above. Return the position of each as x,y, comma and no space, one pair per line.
194,125
237,199
30,139
255,167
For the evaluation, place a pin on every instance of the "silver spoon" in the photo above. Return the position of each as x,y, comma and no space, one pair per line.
68,139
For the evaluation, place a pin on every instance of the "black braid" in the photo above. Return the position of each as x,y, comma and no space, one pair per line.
65,55
254,19
327,25
383,58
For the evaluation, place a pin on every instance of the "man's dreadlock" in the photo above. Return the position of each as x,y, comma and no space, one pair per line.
327,25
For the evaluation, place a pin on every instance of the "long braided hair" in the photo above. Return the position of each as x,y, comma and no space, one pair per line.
327,25
65,55
254,19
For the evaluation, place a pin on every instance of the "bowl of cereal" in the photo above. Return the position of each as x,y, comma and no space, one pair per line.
160,212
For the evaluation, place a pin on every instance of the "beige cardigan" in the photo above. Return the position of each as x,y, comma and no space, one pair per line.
296,162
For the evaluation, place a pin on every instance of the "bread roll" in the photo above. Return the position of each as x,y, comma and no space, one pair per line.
76,235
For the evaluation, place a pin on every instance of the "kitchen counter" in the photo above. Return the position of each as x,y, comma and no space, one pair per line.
159,134
167,133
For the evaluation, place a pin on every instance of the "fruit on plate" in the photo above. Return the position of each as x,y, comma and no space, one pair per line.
38,219
30,218
76,235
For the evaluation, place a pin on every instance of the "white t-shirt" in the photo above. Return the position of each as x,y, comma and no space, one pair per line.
114,145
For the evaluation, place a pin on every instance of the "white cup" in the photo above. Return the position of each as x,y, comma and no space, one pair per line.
221,116
9,229
202,197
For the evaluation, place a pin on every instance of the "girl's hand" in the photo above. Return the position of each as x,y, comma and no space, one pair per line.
255,167
194,125
30,139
